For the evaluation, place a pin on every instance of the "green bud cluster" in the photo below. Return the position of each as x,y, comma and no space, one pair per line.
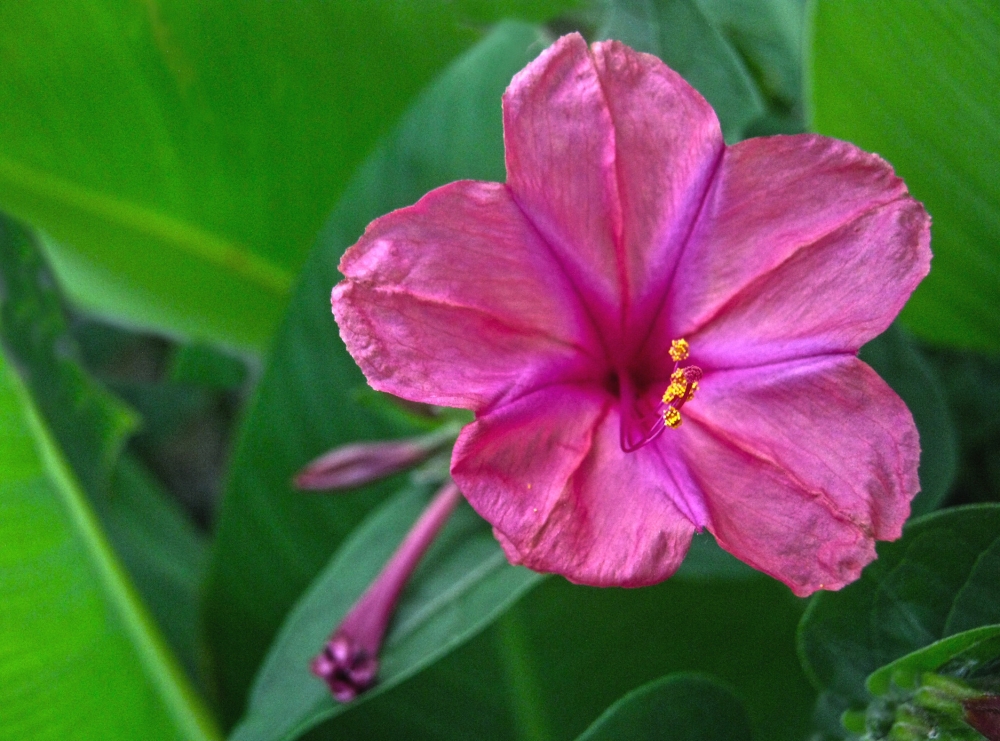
932,711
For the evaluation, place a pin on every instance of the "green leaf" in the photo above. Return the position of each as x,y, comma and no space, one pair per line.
151,535
768,36
900,363
165,557
584,647
90,424
563,653
915,81
462,584
80,658
681,707
680,33
272,541
940,578
971,383
968,649
184,155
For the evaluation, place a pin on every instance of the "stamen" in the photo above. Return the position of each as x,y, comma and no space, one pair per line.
672,418
681,389
679,350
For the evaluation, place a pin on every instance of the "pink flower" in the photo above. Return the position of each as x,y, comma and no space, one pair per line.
549,306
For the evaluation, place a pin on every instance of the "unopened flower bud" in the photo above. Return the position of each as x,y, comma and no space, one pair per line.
358,464
349,661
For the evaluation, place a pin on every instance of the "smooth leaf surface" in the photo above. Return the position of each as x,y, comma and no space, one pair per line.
678,707
968,649
894,356
80,659
938,579
916,81
184,155
271,539
679,32
462,584
582,647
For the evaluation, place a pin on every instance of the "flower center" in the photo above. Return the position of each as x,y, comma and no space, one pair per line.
637,432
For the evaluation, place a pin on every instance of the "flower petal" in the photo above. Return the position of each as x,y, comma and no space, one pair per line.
807,245
455,301
548,473
803,466
610,154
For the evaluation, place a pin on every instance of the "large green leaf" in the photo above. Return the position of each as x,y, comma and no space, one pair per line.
941,578
585,647
271,539
916,81
80,659
462,584
895,357
679,707
185,154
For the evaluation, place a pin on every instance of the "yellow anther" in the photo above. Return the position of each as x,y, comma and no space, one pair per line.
679,350
672,418
676,390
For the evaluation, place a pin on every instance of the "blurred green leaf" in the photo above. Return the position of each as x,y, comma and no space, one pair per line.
768,36
90,424
184,155
971,383
203,365
939,579
916,81
80,659
680,33
272,540
462,584
584,647
968,650
901,364
678,707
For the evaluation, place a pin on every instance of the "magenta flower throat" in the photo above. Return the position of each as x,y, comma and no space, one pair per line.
657,333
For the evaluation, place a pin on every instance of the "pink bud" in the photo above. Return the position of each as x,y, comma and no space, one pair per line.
349,661
362,463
